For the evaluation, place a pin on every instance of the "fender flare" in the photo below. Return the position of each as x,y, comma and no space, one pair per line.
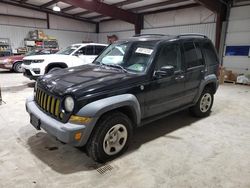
99,107
208,80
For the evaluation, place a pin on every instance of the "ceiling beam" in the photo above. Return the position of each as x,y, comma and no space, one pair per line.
123,3
105,9
46,10
49,3
23,1
68,8
213,5
127,2
155,5
82,13
172,8
161,10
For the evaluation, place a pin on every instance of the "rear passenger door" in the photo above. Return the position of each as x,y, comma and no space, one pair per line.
89,54
195,68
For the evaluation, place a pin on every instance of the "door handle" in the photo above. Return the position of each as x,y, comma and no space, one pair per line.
179,77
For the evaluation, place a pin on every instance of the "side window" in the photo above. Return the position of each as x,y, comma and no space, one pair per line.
209,53
169,55
193,55
81,51
99,49
89,50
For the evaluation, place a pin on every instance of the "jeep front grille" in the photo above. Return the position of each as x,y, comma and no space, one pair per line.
49,104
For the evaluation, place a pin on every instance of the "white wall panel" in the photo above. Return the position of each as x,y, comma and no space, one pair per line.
238,34
187,16
238,13
15,21
207,29
13,10
191,20
115,25
102,37
17,34
58,22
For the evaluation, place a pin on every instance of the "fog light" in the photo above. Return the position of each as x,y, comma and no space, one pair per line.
78,136
79,119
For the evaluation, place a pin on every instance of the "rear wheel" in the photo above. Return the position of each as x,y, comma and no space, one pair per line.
203,107
110,138
17,67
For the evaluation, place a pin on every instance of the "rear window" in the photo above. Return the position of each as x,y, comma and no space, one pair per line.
209,53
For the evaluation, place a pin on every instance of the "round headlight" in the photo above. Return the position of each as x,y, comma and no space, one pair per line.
69,104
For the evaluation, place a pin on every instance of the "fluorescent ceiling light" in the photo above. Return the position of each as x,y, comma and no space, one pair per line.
56,8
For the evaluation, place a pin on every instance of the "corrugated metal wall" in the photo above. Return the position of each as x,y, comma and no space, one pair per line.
207,29
17,34
191,20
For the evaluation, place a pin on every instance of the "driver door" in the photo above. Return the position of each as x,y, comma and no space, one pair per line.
166,93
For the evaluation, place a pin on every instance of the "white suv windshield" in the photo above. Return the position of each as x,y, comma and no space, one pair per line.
68,50
131,56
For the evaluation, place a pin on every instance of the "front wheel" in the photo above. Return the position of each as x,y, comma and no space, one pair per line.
111,137
203,107
17,67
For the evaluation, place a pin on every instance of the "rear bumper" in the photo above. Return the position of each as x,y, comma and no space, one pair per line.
64,132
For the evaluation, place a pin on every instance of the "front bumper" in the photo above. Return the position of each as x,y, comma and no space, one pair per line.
29,75
64,132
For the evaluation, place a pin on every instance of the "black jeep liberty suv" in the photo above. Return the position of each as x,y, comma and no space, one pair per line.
132,82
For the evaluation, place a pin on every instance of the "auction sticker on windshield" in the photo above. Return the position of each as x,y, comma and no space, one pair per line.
146,51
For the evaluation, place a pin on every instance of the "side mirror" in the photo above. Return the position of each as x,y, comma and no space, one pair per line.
164,71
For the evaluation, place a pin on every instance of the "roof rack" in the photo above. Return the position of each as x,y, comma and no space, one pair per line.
141,35
191,34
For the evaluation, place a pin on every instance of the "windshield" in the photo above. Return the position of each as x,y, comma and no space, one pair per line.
68,50
131,56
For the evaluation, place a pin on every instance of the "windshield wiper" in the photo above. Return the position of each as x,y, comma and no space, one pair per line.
116,66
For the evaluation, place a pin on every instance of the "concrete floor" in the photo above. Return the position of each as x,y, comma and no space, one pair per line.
178,151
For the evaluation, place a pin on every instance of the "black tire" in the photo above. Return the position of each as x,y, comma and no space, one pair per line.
17,67
199,110
106,125
54,69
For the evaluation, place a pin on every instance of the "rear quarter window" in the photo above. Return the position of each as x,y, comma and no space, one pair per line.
209,53
192,54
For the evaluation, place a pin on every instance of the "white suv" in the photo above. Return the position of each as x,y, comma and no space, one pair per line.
74,55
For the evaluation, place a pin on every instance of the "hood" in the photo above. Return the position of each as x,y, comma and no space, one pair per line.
47,56
87,80
13,57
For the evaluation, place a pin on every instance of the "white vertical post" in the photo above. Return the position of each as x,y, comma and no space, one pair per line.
0,96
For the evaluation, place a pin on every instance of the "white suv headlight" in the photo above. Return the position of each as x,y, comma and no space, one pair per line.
69,104
38,61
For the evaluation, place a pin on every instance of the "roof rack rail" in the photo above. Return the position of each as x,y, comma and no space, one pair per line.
140,35
191,34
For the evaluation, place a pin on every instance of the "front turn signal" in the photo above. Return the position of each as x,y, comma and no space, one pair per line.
79,119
